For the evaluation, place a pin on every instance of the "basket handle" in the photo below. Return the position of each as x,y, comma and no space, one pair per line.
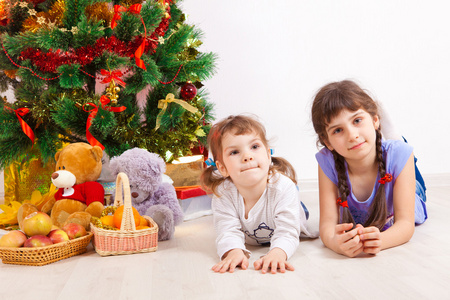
127,216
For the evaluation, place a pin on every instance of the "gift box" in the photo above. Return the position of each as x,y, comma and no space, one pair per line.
24,176
194,201
186,171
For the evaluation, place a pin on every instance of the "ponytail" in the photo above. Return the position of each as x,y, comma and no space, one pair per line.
344,191
378,209
284,167
211,179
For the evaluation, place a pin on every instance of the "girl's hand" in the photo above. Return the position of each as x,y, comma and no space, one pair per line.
231,260
348,242
371,239
274,260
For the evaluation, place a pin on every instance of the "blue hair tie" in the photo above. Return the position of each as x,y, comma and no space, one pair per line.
209,162
271,152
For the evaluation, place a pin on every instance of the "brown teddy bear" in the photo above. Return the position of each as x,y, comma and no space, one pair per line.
79,197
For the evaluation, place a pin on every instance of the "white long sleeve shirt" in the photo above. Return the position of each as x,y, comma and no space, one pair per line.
277,218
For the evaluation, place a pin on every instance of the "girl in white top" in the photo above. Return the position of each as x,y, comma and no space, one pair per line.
255,201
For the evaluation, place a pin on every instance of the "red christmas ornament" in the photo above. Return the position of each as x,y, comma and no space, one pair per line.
188,91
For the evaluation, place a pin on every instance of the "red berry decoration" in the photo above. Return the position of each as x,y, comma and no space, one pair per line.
188,91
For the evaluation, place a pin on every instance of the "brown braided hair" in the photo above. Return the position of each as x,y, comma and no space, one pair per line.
328,103
239,125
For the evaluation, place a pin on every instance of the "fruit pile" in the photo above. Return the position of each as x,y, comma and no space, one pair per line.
37,230
111,219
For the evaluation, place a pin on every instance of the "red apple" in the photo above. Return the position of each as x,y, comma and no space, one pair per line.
74,230
14,238
37,223
38,241
58,236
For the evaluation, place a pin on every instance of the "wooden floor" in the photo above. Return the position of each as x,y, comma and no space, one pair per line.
180,268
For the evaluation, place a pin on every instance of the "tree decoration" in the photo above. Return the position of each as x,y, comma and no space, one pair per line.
163,103
188,91
56,54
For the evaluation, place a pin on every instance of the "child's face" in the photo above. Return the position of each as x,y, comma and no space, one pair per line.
245,159
352,134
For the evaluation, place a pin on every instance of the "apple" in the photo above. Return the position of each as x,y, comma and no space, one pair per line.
37,223
58,236
74,230
38,241
14,238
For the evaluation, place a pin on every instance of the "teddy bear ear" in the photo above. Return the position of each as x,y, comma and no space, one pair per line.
114,165
97,152
57,155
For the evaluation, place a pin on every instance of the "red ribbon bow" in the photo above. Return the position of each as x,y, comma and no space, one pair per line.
92,113
386,178
105,100
114,75
20,112
341,202
134,9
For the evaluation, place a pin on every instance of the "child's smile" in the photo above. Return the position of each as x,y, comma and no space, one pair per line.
352,134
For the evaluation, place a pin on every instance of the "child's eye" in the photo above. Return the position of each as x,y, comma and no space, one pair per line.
336,131
358,120
234,152
255,146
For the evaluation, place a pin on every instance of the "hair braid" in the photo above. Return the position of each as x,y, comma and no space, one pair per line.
344,191
378,209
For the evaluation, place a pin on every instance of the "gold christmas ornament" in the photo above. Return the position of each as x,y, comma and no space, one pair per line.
111,92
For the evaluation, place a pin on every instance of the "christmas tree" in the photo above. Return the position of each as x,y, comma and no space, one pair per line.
118,75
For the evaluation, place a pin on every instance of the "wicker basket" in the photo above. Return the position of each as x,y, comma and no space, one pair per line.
40,256
127,240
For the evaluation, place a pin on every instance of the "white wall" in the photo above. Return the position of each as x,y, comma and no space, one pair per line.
274,56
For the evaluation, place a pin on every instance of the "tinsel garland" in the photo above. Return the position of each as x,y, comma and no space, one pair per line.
50,61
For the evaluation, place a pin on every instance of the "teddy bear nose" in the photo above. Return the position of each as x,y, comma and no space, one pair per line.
135,194
55,175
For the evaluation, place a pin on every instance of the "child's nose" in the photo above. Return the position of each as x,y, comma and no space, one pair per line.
353,134
247,158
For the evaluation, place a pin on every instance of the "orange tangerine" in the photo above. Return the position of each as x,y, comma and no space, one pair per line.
143,222
117,218
107,220
142,227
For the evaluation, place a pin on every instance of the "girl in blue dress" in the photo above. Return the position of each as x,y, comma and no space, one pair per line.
370,199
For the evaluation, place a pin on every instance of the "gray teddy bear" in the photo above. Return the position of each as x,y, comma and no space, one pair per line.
149,194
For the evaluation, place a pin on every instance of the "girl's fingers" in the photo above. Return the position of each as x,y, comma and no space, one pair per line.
244,264
274,267
257,264
289,267
340,228
372,243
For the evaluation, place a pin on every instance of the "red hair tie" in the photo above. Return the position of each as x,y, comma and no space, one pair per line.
341,202
386,178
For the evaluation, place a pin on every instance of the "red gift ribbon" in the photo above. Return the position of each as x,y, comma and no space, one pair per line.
93,112
386,178
20,112
342,203
134,9
114,75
